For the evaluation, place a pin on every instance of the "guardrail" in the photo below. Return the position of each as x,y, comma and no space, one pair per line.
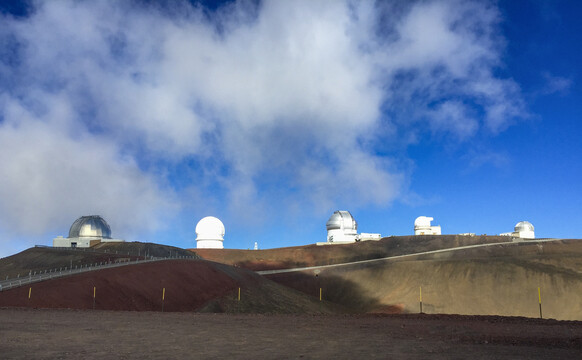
63,272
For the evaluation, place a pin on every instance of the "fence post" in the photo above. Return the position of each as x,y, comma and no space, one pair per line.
540,301
163,297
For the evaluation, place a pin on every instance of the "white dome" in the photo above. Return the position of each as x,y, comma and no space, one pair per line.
422,222
210,228
524,226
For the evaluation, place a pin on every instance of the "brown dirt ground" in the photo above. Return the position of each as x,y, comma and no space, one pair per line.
76,334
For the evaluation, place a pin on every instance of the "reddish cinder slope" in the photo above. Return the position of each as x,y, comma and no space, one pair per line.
189,284
312,255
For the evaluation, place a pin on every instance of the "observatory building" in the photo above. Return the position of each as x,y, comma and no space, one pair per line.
210,233
422,226
522,230
85,232
342,228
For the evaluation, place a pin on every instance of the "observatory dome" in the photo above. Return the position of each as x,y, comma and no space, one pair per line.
210,233
524,226
90,226
341,227
422,222
422,226
341,219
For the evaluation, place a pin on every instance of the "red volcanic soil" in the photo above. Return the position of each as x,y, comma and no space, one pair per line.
190,285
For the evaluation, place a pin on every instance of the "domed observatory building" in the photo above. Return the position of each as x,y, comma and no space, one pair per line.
210,233
524,230
422,226
85,232
341,228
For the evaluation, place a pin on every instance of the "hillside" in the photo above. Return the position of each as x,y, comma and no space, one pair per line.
312,255
190,285
498,278
491,280
46,258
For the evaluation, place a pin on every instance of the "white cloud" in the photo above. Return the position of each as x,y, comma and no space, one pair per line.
556,84
51,175
280,102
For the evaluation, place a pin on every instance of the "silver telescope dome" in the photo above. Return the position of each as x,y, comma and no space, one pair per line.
341,219
524,226
90,226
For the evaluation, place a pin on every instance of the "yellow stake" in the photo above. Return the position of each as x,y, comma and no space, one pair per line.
420,296
29,292
163,293
238,294
320,294
539,296
94,291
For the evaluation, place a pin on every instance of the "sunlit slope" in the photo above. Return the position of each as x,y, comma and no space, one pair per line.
310,255
494,280
171,285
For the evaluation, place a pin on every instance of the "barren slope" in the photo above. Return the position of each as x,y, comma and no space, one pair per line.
190,285
47,258
497,280
310,255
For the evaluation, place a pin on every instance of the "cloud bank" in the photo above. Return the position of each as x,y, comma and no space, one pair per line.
122,108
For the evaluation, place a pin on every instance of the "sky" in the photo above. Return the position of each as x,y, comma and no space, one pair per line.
271,115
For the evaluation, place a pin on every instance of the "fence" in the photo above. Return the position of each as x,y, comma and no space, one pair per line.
64,271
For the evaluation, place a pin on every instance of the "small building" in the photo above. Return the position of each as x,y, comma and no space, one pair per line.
369,236
210,233
422,226
86,231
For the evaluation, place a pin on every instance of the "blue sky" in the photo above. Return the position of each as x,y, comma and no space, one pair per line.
271,115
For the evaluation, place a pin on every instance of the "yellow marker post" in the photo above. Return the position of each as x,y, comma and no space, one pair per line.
540,301
94,293
420,297
163,297
29,292
238,294
320,292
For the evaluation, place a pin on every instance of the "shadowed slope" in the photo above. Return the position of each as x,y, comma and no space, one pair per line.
496,280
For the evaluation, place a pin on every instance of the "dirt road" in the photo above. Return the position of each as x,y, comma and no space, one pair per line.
76,334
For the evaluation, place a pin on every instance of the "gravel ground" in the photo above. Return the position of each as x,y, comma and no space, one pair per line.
86,334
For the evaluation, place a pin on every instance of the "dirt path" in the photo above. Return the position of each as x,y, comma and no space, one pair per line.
74,334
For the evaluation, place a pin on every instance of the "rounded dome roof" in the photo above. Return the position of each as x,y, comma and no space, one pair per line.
341,219
210,228
90,226
524,226
423,221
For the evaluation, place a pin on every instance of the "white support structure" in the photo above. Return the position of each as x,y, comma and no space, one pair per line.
422,226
